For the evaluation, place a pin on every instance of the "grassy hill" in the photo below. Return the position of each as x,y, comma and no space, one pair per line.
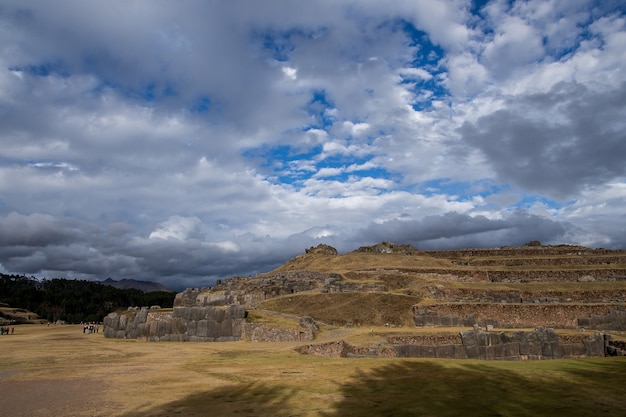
554,275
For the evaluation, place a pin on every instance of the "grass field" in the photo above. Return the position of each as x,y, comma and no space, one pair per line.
59,371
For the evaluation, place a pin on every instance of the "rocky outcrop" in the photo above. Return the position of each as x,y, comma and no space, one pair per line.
322,249
386,247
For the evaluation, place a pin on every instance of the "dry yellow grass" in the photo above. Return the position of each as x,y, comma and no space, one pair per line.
356,261
58,370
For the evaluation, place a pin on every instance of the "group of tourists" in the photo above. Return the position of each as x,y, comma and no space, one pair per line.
7,330
90,328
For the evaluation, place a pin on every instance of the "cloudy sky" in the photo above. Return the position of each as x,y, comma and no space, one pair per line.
181,142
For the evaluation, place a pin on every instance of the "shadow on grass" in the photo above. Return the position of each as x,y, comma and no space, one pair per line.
252,399
572,388
433,388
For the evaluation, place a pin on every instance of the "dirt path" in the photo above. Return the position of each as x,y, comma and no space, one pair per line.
51,397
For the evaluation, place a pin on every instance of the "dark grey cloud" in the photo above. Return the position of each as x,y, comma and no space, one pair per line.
455,230
555,143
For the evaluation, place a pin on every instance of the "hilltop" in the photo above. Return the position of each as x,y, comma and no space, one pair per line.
454,297
532,274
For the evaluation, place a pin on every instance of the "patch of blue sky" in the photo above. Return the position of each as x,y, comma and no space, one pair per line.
280,44
287,165
425,92
563,50
427,54
530,200
55,67
148,93
462,190
282,161
318,108
202,105
427,58
477,5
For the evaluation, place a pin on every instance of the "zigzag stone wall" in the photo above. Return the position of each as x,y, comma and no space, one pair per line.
195,324
477,344
200,324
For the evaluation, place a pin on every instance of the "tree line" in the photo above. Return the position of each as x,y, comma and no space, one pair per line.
74,301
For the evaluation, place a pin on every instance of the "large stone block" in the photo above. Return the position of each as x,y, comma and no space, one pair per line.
154,328
122,322
202,328
450,321
213,329
415,351
178,326
512,349
445,351
460,352
226,328
573,350
191,328
218,315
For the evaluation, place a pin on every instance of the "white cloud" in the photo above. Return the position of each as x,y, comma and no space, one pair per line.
176,227
163,141
290,72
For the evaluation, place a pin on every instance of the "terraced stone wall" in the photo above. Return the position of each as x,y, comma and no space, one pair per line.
250,291
601,316
467,295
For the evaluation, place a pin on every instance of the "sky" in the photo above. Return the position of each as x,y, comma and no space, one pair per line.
182,142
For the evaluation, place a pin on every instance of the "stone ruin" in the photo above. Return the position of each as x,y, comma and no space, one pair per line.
386,247
182,324
564,316
539,344
219,313
200,324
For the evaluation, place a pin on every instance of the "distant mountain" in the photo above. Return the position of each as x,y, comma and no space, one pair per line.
145,286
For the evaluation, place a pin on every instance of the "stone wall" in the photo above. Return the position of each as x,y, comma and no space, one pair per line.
477,344
554,275
250,291
614,320
601,316
195,324
341,349
260,332
522,252
200,324
462,274
468,295
551,261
